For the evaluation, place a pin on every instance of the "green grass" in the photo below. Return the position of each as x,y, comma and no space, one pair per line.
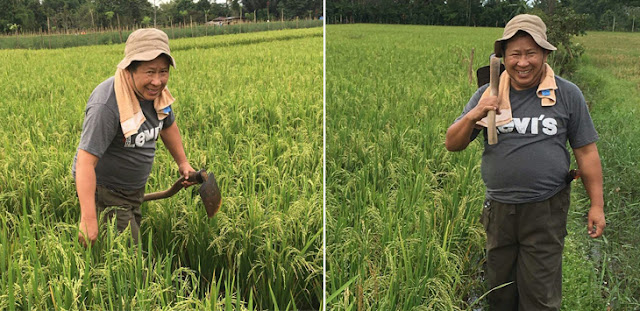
249,107
608,77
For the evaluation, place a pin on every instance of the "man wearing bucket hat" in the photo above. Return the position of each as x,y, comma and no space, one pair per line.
124,116
525,173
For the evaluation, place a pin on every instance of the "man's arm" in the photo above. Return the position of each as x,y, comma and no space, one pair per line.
459,133
173,141
591,173
86,188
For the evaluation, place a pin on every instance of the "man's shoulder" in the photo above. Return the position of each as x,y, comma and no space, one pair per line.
103,95
566,85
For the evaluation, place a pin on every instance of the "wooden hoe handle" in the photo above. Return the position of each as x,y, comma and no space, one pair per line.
177,186
494,80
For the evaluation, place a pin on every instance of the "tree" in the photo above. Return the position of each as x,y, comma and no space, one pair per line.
109,16
146,21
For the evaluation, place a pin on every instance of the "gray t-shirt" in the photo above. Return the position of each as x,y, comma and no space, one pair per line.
123,163
530,161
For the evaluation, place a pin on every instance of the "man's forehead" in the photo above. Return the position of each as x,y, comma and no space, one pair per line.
160,62
522,42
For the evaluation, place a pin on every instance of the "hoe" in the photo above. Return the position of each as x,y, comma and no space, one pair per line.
209,191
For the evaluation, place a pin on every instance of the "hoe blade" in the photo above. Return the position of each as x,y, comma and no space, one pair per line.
210,195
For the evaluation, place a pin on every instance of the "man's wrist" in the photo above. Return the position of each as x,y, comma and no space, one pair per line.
87,218
597,207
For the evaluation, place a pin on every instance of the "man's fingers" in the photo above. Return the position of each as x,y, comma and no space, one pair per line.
81,239
595,228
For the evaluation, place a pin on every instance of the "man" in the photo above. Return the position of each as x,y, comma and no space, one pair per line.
525,173
124,116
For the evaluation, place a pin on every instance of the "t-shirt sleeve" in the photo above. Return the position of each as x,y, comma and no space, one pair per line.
99,128
581,130
169,120
473,101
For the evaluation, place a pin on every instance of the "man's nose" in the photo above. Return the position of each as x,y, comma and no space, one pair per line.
156,80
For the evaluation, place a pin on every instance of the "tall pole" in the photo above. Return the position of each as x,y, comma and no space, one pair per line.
154,13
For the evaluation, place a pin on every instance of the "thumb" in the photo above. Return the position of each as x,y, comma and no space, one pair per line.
590,226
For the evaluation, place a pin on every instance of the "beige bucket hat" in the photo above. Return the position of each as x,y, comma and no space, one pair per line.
144,45
531,24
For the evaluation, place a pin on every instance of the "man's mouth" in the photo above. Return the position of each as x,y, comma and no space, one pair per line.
523,72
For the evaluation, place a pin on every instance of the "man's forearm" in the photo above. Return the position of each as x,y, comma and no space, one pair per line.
173,141
458,135
591,173
86,188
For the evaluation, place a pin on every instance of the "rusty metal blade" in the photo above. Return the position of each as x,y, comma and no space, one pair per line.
210,195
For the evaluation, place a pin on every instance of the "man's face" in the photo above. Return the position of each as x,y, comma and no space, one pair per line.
151,77
524,60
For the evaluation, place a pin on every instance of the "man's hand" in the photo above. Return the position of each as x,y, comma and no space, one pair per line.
185,168
596,219
483,107
89,229
458,134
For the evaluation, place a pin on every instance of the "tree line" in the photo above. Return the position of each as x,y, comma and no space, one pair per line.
610,15
63,15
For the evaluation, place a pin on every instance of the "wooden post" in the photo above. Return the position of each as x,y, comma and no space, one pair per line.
191,19
471,66
92,24
49,32
614,24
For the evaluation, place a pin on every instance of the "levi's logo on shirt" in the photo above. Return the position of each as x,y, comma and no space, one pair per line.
141,138
536,125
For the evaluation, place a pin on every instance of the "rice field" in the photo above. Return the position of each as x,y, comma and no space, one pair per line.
249,107
403,229
402,212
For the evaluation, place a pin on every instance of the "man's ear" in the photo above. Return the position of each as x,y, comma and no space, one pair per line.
546,54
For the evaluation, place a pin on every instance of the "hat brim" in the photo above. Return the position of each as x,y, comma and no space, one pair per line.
497,47
144,57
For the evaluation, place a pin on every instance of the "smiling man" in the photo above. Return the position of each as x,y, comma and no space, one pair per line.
526,173
124,116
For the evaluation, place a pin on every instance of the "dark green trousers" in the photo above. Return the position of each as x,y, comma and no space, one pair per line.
122,204
524,246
